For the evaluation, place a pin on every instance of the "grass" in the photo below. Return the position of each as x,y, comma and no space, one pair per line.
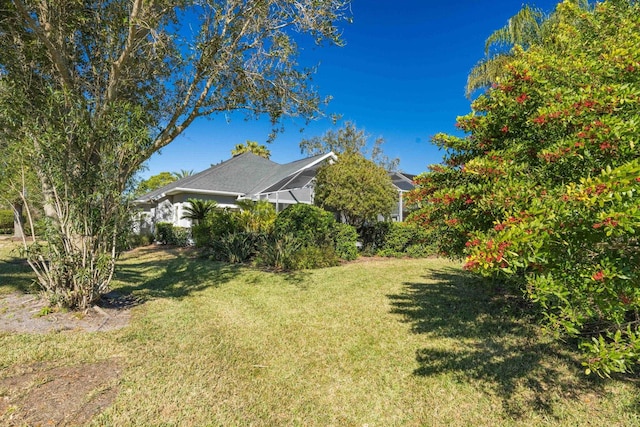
15,274
378,343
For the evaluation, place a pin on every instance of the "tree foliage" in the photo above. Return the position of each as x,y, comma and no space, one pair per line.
527,27
251,147
183,173
355,188
349,140
543,191
93,89
154,182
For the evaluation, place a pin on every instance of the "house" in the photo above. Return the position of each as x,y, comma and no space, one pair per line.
403,182
246,176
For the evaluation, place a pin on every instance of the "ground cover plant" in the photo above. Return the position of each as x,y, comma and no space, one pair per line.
543,191
393,342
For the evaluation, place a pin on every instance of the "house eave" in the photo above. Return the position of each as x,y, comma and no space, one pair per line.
179,190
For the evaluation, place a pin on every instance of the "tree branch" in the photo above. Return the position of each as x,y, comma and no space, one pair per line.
54,52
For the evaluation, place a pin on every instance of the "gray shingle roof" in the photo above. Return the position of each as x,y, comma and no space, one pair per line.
241,175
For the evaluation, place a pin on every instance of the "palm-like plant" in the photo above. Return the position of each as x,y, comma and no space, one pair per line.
198,209
524,29
182,174
251,147
528,27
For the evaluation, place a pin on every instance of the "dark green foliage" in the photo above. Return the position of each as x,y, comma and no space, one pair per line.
356,189
373,236
303,237
136,240
235,247
6,219
278,251
198,209
223,222
405,239
309,224
288,253
345,237
396,239
167,234
202,235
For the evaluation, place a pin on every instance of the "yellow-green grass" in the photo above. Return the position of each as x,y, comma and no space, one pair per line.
378,343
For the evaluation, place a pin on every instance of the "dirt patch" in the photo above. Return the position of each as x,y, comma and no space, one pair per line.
31,314
42,394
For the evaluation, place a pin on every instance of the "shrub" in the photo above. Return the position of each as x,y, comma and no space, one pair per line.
167,234
345,237
202,234
277,251
405,239
6,220
543,190
309,257
256,216
136,240
373,236
309,224
223,222
234,247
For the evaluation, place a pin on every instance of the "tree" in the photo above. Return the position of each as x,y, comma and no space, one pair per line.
251,147
355,188
94,89
527,27
349,140
154,182
18,185
543,192
182,174
198,209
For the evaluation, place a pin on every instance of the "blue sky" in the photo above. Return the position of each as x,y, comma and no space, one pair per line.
400,76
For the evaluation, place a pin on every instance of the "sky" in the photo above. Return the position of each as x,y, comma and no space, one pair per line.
401,76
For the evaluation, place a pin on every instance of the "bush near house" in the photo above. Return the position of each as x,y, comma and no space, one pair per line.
300,237
346,238
168,234
396,239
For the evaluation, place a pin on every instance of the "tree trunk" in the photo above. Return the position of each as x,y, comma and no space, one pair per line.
18,221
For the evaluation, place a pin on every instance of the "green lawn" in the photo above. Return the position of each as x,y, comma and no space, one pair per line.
377,343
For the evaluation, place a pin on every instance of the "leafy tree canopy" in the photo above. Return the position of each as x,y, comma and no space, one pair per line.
251,147
544,190
183,173
154,182
355,188
349,140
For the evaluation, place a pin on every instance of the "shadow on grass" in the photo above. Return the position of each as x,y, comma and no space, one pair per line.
482,334
16,275
171,278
